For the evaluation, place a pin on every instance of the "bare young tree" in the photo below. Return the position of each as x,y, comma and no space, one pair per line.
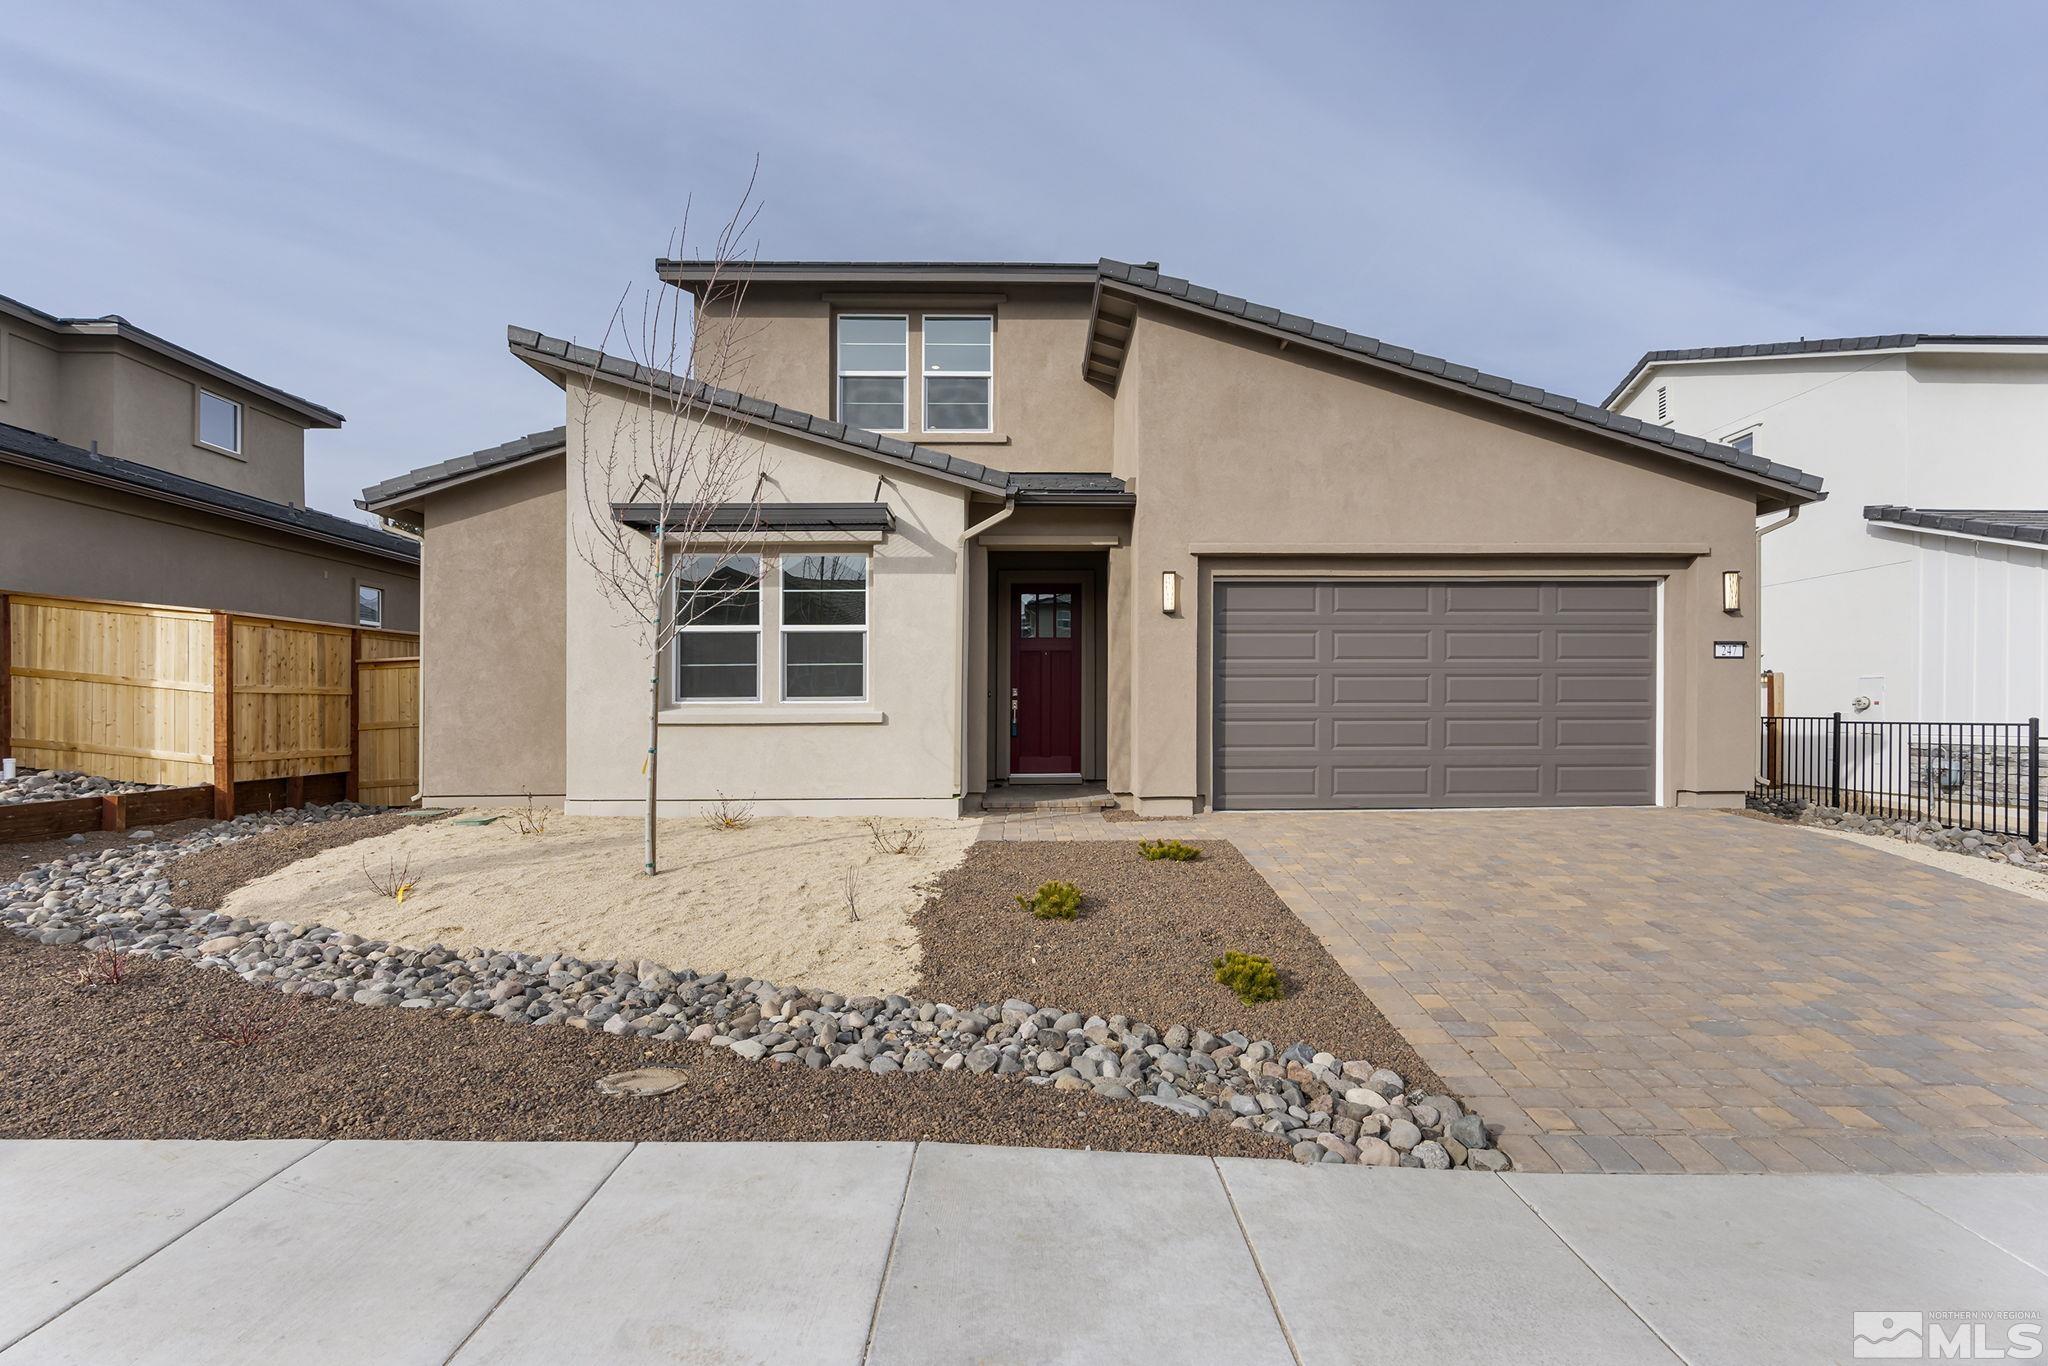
671,477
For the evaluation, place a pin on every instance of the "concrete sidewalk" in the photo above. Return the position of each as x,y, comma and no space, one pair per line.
434,1252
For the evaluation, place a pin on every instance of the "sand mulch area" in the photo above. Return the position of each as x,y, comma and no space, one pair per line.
1143,946
767,901
146,1060
206,877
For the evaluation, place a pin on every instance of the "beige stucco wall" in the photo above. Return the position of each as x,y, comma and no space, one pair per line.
493,691
68,538
1236,448
1046,418
897,750
144,407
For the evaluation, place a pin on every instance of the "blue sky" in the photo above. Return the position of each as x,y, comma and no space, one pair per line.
351,201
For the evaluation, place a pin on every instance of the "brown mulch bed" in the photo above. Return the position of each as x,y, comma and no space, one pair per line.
146,1059
204,877
1143,946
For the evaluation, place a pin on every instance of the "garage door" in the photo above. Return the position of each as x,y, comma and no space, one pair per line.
1395,693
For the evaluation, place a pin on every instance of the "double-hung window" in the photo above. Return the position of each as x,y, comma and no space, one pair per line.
874,371
959,372
824,628
718,628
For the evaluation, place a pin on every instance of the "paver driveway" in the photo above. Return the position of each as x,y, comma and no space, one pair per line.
1663,990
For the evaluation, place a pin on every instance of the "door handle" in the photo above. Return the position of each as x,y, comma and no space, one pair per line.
1013,713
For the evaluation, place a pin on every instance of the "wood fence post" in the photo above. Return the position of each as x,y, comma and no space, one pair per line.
223,716
352,787
6,678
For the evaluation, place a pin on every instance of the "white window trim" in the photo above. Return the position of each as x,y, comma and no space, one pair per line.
199,423
841,376
1750,431
785,629
927,373
675,660
362,588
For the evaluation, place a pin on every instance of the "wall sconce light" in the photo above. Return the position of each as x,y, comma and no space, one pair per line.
1169,593
1731,591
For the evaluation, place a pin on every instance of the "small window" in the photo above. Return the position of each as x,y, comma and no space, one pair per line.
959,373
824,628
369,605
718,628
1746,443
874,372
220,423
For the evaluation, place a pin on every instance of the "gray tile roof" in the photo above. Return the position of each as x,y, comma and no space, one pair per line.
554,354
1148,280
527,447
1809,346
2008,524
36,450
927,272
113,324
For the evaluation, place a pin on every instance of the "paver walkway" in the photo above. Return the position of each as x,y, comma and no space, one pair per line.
304,1252
1676,991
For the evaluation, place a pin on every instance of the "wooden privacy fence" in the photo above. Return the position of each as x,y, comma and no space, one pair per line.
264,711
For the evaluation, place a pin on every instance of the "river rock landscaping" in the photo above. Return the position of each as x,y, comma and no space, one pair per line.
1238,1091
2010,849
56,785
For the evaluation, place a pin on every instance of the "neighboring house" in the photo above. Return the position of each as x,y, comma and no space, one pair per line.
1087,522
134,470
1919,591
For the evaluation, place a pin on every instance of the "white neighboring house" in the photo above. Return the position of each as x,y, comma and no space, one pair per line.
1919,590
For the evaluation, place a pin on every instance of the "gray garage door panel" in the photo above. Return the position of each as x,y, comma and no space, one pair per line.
1353,693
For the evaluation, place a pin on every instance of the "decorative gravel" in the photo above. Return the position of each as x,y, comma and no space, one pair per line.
2010,849
1322,1107
56,784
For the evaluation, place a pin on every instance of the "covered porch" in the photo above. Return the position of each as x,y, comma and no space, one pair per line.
1042,615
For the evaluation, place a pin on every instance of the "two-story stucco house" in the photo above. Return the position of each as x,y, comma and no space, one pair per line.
135,470
1919,591
1091,523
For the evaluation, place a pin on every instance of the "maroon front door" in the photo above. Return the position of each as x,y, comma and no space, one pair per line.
1045,678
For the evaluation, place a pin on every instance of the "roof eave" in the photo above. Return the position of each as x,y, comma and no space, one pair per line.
689,274
212,509
316,415
1789,493
740,409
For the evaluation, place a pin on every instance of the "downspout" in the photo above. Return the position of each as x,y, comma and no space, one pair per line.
960,615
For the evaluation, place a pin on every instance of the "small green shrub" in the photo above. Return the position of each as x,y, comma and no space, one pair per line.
1172,850
1053,901
1252,977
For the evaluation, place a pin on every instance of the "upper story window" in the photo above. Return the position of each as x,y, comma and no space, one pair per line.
369,605
220,423
1746,443
959,372
874,371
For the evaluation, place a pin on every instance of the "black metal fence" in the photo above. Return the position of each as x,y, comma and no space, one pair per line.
1978,775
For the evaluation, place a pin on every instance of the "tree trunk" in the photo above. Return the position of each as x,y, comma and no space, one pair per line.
653,751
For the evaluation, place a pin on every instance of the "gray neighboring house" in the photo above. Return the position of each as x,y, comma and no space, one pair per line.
135,470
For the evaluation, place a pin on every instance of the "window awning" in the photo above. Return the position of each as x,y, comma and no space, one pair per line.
868,522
